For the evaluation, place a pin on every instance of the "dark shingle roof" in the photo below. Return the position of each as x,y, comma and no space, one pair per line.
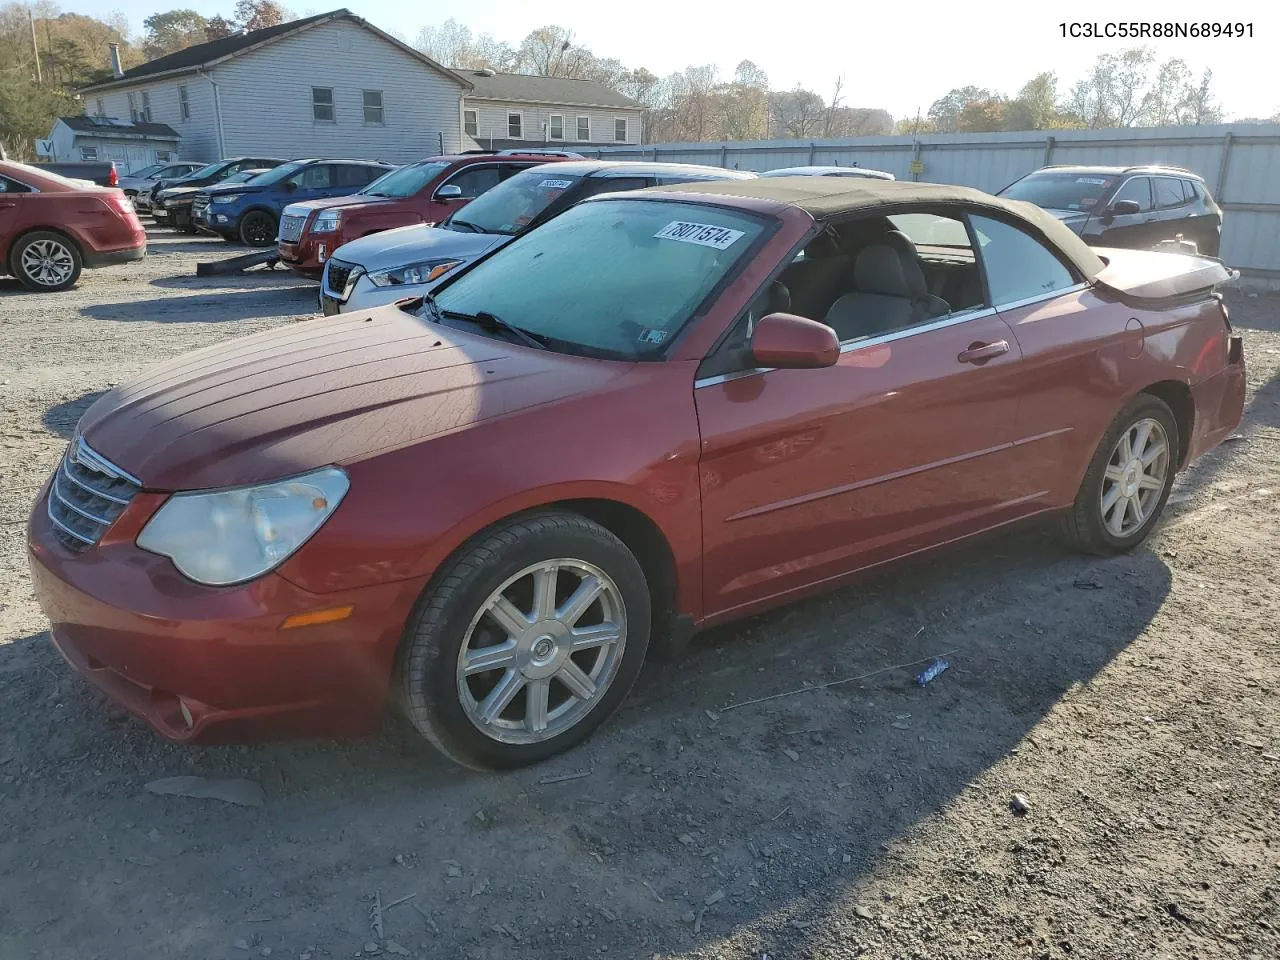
202,53
111,127
212,51
520,87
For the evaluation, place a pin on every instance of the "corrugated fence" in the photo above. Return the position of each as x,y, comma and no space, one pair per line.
1239,162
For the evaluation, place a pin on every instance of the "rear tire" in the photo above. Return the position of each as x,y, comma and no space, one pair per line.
546,676
45,261
258,229
1128,481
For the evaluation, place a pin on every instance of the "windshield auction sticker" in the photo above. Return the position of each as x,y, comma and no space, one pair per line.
556,184
703,234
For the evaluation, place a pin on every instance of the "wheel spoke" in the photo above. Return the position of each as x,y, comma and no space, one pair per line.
1126,448
1110,499
599,635
581,601
1143,438
1153,453
1113,473
544,592
489,658
500,696
535,711
1148,482
1135,504
505,613
1115,522
579,684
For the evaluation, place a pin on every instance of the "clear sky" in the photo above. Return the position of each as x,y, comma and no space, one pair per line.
897,55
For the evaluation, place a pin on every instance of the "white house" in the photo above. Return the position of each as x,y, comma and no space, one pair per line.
131,145
513,110
331,85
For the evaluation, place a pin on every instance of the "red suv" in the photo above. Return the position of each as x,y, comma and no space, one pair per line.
52,227
423,192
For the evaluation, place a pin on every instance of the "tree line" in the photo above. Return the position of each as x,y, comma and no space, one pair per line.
1124,89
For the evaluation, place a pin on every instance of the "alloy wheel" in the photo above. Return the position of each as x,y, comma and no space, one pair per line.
47,263
1135,476
542,651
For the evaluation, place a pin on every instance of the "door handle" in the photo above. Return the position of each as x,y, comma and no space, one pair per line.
6,204
982,352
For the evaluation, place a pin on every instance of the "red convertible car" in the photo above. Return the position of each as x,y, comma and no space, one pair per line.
658,411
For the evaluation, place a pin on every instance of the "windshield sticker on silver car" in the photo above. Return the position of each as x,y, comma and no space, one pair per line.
703,234
556,184
1098,180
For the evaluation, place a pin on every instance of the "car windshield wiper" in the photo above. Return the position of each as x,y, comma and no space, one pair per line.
474,228
433,308
491,321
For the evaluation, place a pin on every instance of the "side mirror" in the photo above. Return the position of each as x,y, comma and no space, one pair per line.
786,341
1123,208
290,185
450,191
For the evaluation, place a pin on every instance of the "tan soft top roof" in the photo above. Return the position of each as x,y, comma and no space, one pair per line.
827,197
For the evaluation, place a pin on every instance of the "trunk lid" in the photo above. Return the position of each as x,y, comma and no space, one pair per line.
1149,275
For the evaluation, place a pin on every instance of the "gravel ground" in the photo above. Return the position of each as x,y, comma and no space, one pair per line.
1133,701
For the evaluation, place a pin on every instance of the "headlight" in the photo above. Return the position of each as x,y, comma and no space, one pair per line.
230,536
325,223
227,198
424,271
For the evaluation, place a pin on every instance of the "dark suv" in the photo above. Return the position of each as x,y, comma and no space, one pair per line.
212,173
1135,207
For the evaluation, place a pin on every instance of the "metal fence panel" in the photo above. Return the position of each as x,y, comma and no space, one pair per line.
1240,163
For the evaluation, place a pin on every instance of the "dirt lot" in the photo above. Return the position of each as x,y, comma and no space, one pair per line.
1133,701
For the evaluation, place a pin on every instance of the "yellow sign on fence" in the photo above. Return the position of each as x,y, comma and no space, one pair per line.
917,166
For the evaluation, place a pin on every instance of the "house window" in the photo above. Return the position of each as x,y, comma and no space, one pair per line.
515,126
373,107
556,127
133,108
584,128
101,108
184,102
162,156
620,129
471,123
322,104
146,107
88,153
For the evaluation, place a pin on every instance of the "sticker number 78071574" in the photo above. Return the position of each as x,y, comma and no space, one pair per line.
703,234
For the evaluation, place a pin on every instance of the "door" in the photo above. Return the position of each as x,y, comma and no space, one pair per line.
905,443
1128,229
471,181
10,207
312,182
1073,346
1174,212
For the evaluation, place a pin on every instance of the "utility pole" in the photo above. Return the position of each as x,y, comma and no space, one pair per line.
34,46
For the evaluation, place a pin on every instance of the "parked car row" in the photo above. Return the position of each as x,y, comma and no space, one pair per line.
687,397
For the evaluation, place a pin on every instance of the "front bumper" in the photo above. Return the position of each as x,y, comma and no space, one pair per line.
211,664
304,256
364,294
178,217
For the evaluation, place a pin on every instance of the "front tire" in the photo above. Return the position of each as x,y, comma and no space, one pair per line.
527,641
258,229
1128,481
46,262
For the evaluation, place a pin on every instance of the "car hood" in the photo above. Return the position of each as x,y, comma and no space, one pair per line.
231,188
338,390
1075,219
395,248
170,193
351,200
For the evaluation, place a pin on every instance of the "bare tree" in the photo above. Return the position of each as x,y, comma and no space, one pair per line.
798,112
828,127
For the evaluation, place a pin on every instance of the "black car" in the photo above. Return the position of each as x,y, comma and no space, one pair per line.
1134,207
206,175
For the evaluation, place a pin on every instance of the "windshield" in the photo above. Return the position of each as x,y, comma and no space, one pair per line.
650,265
247,176
276,174
1062,191
208,171
512,205
146,171
404,181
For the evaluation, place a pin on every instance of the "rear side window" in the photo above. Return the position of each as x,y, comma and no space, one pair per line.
13,186
1018,266
1168,193
351,175
1192,190
1137,189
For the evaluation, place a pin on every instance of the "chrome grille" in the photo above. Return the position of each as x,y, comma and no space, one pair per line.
88,493
337,275
200,204
291,228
